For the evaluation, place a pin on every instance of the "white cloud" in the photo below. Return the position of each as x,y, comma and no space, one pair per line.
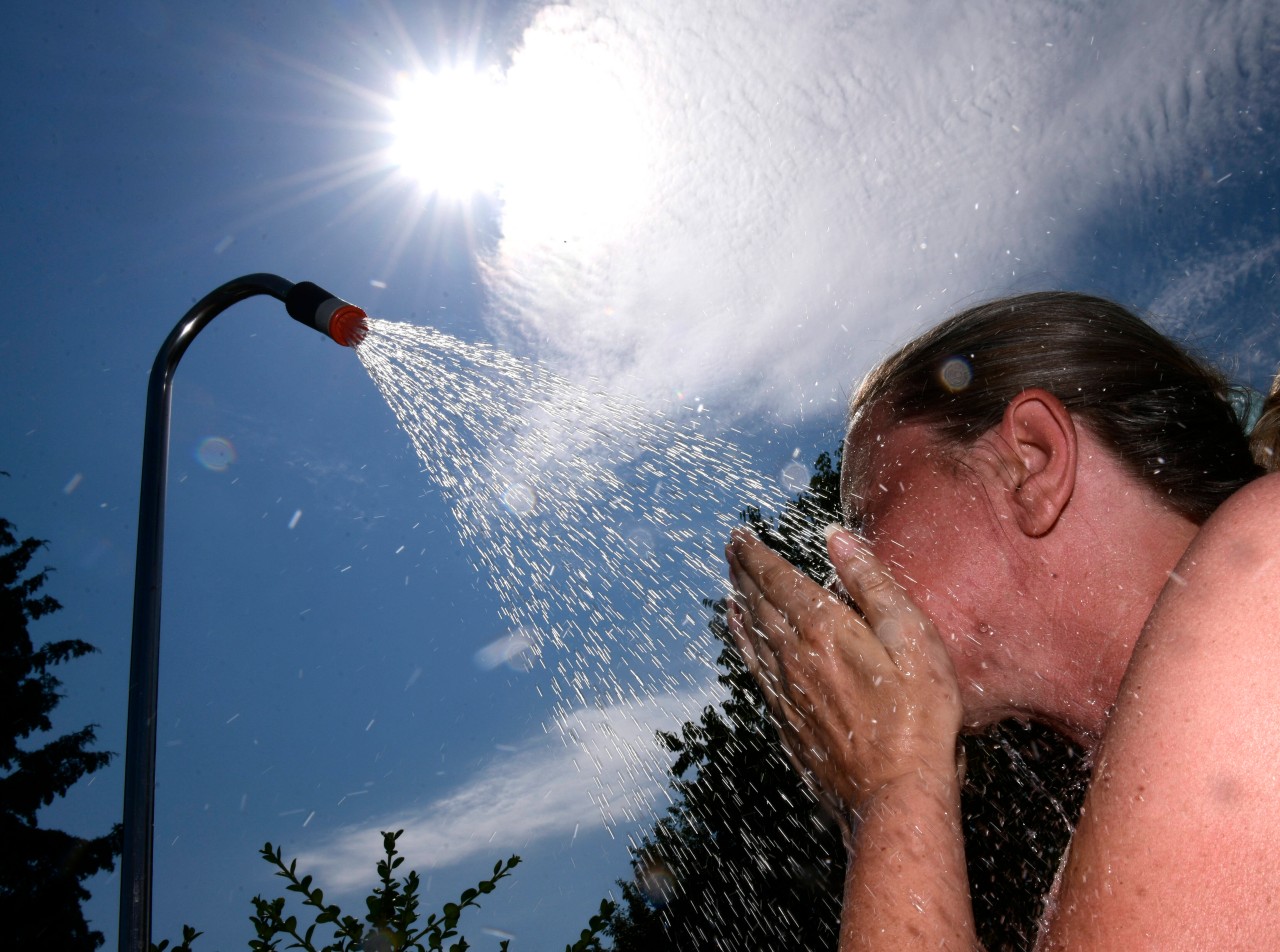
812,175
595,767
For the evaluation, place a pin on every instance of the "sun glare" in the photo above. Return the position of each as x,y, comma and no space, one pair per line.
560,150
447,128
558,138
585,159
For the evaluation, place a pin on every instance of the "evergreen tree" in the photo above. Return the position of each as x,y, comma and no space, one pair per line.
41,870
745,859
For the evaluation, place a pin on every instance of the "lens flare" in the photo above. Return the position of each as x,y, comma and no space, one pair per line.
656,881
795,477
641,542
955,374
216,454
520,499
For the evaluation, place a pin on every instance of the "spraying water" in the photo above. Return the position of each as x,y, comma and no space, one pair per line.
599,523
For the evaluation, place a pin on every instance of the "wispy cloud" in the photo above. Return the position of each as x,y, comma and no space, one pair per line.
817,181
595,767
1213,278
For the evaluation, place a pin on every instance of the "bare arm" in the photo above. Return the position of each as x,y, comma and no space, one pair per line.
868,708
906,886
1179,844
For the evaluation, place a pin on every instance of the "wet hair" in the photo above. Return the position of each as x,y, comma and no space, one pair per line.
1172,419
1264,439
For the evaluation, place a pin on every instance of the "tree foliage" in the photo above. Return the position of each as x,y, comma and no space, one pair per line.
42,871
393,921
746,860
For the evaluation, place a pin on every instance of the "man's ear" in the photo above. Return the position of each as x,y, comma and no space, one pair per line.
1038,437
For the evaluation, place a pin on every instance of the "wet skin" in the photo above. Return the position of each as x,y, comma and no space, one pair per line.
1021,581
860,698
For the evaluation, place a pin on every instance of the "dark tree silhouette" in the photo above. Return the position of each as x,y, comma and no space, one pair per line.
41,870
745,860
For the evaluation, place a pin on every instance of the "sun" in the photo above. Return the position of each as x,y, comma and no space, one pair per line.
447,131
557,148
557,138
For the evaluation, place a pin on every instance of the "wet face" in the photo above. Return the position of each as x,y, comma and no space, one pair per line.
927,516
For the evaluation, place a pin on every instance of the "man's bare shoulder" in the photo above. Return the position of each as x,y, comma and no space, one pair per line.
1180,843
1227,577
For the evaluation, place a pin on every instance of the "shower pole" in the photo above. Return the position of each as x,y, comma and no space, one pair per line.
310,305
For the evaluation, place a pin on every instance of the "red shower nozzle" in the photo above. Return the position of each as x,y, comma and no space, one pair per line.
312,305
348,325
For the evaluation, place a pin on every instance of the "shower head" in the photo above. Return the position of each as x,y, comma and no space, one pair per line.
312,305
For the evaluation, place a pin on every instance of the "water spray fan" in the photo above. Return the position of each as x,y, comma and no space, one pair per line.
308,304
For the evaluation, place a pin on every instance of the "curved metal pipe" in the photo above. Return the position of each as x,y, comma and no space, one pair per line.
312,306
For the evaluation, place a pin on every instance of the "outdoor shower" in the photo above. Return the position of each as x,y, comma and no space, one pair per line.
310,305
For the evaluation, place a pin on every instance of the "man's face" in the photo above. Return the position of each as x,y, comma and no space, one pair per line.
929,519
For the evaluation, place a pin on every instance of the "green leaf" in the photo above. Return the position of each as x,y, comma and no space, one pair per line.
393,905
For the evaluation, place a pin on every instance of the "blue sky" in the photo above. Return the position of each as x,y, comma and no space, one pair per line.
703,204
